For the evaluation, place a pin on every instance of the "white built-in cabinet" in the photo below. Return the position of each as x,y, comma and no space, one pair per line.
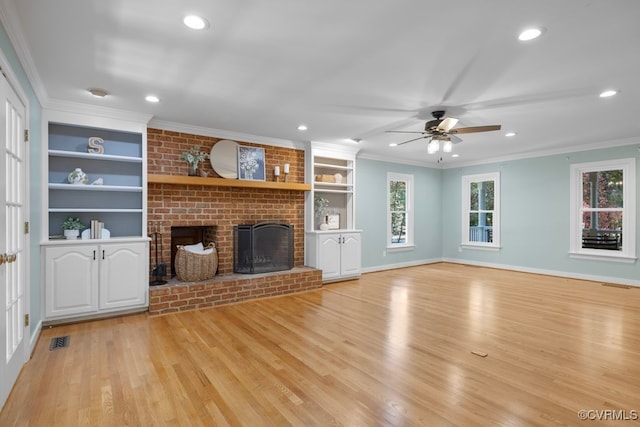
336,254
94,278
332,243
109,273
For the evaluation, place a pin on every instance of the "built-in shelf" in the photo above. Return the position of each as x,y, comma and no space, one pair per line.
95,210
93,156
80,187
332,166
223,182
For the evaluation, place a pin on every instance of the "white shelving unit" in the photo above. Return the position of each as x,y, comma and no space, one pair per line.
334,247
93,277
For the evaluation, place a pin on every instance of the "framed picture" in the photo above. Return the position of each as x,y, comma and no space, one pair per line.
251,163
333,221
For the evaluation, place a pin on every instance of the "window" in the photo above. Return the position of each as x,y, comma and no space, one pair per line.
603,210
400,210
481,210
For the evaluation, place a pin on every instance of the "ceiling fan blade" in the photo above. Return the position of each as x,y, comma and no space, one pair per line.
446,124
405,131
474,129
414,139
455,139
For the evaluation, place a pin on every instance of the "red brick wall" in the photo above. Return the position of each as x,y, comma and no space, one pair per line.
231,289
224,207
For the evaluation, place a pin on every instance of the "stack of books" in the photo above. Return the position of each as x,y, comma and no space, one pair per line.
96,229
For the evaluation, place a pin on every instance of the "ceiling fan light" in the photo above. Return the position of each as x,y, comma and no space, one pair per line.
447,147
433,146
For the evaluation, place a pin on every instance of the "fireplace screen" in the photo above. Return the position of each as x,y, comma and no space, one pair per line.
262,248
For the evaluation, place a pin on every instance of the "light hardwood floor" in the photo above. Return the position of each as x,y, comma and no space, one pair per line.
393,348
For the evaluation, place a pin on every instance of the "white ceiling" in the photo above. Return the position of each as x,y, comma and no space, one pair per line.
349,68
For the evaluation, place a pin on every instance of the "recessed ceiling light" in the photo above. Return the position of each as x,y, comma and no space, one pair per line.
455,155
195,22
152,98
98,93
608,93
393,144
302,128
510,134
529,34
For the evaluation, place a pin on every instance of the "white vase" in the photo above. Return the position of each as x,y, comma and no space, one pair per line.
77,177
71,234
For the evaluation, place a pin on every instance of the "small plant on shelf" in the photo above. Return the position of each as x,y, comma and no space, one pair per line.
194,156
321,206
72,227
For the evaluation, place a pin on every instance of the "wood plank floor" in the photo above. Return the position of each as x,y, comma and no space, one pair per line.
393,348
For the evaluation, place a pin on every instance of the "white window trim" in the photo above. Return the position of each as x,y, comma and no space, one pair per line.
628,253
408,178
466,183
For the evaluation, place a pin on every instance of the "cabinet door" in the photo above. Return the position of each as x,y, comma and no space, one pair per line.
71,280
123,275
351,259
329,255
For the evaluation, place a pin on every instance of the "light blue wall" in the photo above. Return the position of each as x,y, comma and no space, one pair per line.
371,214
535,215
35,179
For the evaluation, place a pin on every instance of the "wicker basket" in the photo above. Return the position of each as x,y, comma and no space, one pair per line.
192,266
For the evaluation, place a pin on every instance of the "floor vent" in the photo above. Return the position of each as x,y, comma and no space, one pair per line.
615,285
59,342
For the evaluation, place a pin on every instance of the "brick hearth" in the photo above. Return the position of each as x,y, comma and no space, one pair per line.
222,207
229,289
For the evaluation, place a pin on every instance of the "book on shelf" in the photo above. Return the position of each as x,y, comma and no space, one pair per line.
96,229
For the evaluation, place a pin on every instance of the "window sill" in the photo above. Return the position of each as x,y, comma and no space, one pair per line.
401,248
480,247
603,257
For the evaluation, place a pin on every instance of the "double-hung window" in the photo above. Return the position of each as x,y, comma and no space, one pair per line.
603,210
481,210
399,210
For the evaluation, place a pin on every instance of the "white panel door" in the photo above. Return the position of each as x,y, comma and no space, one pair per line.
123,275
329,255
350,262
71,280
13,196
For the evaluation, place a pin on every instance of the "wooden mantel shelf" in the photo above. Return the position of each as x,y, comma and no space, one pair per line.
222,182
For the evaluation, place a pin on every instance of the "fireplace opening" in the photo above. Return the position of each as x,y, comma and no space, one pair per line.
190,235
262,248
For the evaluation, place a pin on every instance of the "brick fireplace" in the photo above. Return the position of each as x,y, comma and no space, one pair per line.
220,207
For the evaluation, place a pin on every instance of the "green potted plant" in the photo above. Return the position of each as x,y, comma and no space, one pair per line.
321,207
194,156
72,227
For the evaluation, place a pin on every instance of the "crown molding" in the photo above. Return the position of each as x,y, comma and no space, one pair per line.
225,134
97,111
11,25
369,156
551,152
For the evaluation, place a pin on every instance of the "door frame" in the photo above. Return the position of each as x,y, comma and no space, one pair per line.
14,84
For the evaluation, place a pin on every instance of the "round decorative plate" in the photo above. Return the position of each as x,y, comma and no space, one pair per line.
224,158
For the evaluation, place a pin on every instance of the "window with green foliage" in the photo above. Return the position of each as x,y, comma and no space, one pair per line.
399,210
603,209
481,214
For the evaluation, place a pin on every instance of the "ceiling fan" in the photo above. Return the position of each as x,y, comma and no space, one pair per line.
441,129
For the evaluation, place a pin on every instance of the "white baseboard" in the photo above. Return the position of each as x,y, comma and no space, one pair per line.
33,340
569,275
400,265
